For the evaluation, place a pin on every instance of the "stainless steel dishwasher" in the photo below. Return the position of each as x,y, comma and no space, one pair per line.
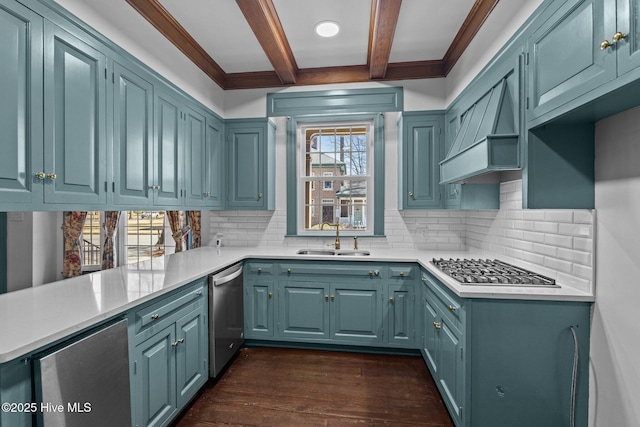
226,317
86,383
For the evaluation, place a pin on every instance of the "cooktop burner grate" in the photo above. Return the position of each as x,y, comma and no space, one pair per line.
491,272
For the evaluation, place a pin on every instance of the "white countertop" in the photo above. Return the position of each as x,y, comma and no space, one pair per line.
35,317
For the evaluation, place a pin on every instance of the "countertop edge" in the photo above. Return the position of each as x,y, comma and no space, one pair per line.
228,257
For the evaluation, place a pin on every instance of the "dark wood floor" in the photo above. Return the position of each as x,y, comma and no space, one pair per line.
291,387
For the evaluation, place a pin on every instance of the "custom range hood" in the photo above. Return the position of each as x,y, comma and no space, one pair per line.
488,139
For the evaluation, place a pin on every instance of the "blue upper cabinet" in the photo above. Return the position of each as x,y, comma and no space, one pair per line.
21,106
627,36
214,154
420,153
567,57
75,161
168,151
195,151
132,138
251,164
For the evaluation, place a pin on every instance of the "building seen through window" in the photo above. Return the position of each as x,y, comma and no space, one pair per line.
336,176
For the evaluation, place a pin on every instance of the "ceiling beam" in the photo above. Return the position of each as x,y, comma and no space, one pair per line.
476,17
263,20
160,18
340,74
382,27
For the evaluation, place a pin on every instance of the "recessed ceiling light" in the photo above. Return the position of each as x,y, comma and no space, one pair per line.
327,28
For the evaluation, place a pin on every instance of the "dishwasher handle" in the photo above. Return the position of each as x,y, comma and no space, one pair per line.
217,281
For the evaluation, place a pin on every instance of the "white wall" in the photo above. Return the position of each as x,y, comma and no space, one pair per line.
118,21
615,334
33,253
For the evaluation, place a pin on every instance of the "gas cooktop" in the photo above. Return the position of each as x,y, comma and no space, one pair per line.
491,272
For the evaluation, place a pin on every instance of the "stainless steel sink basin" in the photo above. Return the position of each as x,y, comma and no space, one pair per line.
353,252
316,252
343,252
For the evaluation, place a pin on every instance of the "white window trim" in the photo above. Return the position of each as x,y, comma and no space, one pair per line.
300,163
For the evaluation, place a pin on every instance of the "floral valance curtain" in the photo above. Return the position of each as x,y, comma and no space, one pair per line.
111,219
71,229
194,222
179,229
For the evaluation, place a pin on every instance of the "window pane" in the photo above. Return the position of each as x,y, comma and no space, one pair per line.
91,245
340,152
145,234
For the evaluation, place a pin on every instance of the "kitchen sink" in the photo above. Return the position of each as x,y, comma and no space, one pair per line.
343,252
316,252
354,252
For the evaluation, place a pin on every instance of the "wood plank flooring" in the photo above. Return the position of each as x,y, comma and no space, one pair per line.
291,387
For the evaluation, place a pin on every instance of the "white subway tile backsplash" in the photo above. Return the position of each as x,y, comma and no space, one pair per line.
559,215
581,230
556,243
558,240
546,227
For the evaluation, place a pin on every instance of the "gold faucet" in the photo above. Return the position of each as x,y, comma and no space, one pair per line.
337,226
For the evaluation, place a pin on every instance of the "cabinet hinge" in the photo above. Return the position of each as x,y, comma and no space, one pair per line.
461,352
105,187
527,102
135,367
113,186
113,78
526,58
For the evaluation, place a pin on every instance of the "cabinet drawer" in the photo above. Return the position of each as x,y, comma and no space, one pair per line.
402,272
450,305
374,271
167,306
259,268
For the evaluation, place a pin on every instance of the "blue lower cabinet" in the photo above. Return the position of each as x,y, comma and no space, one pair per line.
304,310
154,383
15,387
258,308
168,354
400,316
356,313
497,362
191,355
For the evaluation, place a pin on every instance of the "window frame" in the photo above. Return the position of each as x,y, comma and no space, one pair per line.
376,167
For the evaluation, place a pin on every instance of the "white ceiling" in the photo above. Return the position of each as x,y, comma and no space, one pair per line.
425,31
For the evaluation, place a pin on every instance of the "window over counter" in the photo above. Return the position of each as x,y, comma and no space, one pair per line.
331,163
343,152
140,236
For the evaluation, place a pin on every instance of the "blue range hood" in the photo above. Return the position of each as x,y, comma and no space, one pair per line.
487,141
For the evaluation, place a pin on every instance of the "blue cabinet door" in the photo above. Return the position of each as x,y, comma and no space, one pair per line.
75,158
451,361
195,152
258,308
430,336
401,319
155,379
215,164
21,107
167,151
421,154
246,151
628,23
15,387
565,58
191,355
356,313
303,310
132,138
